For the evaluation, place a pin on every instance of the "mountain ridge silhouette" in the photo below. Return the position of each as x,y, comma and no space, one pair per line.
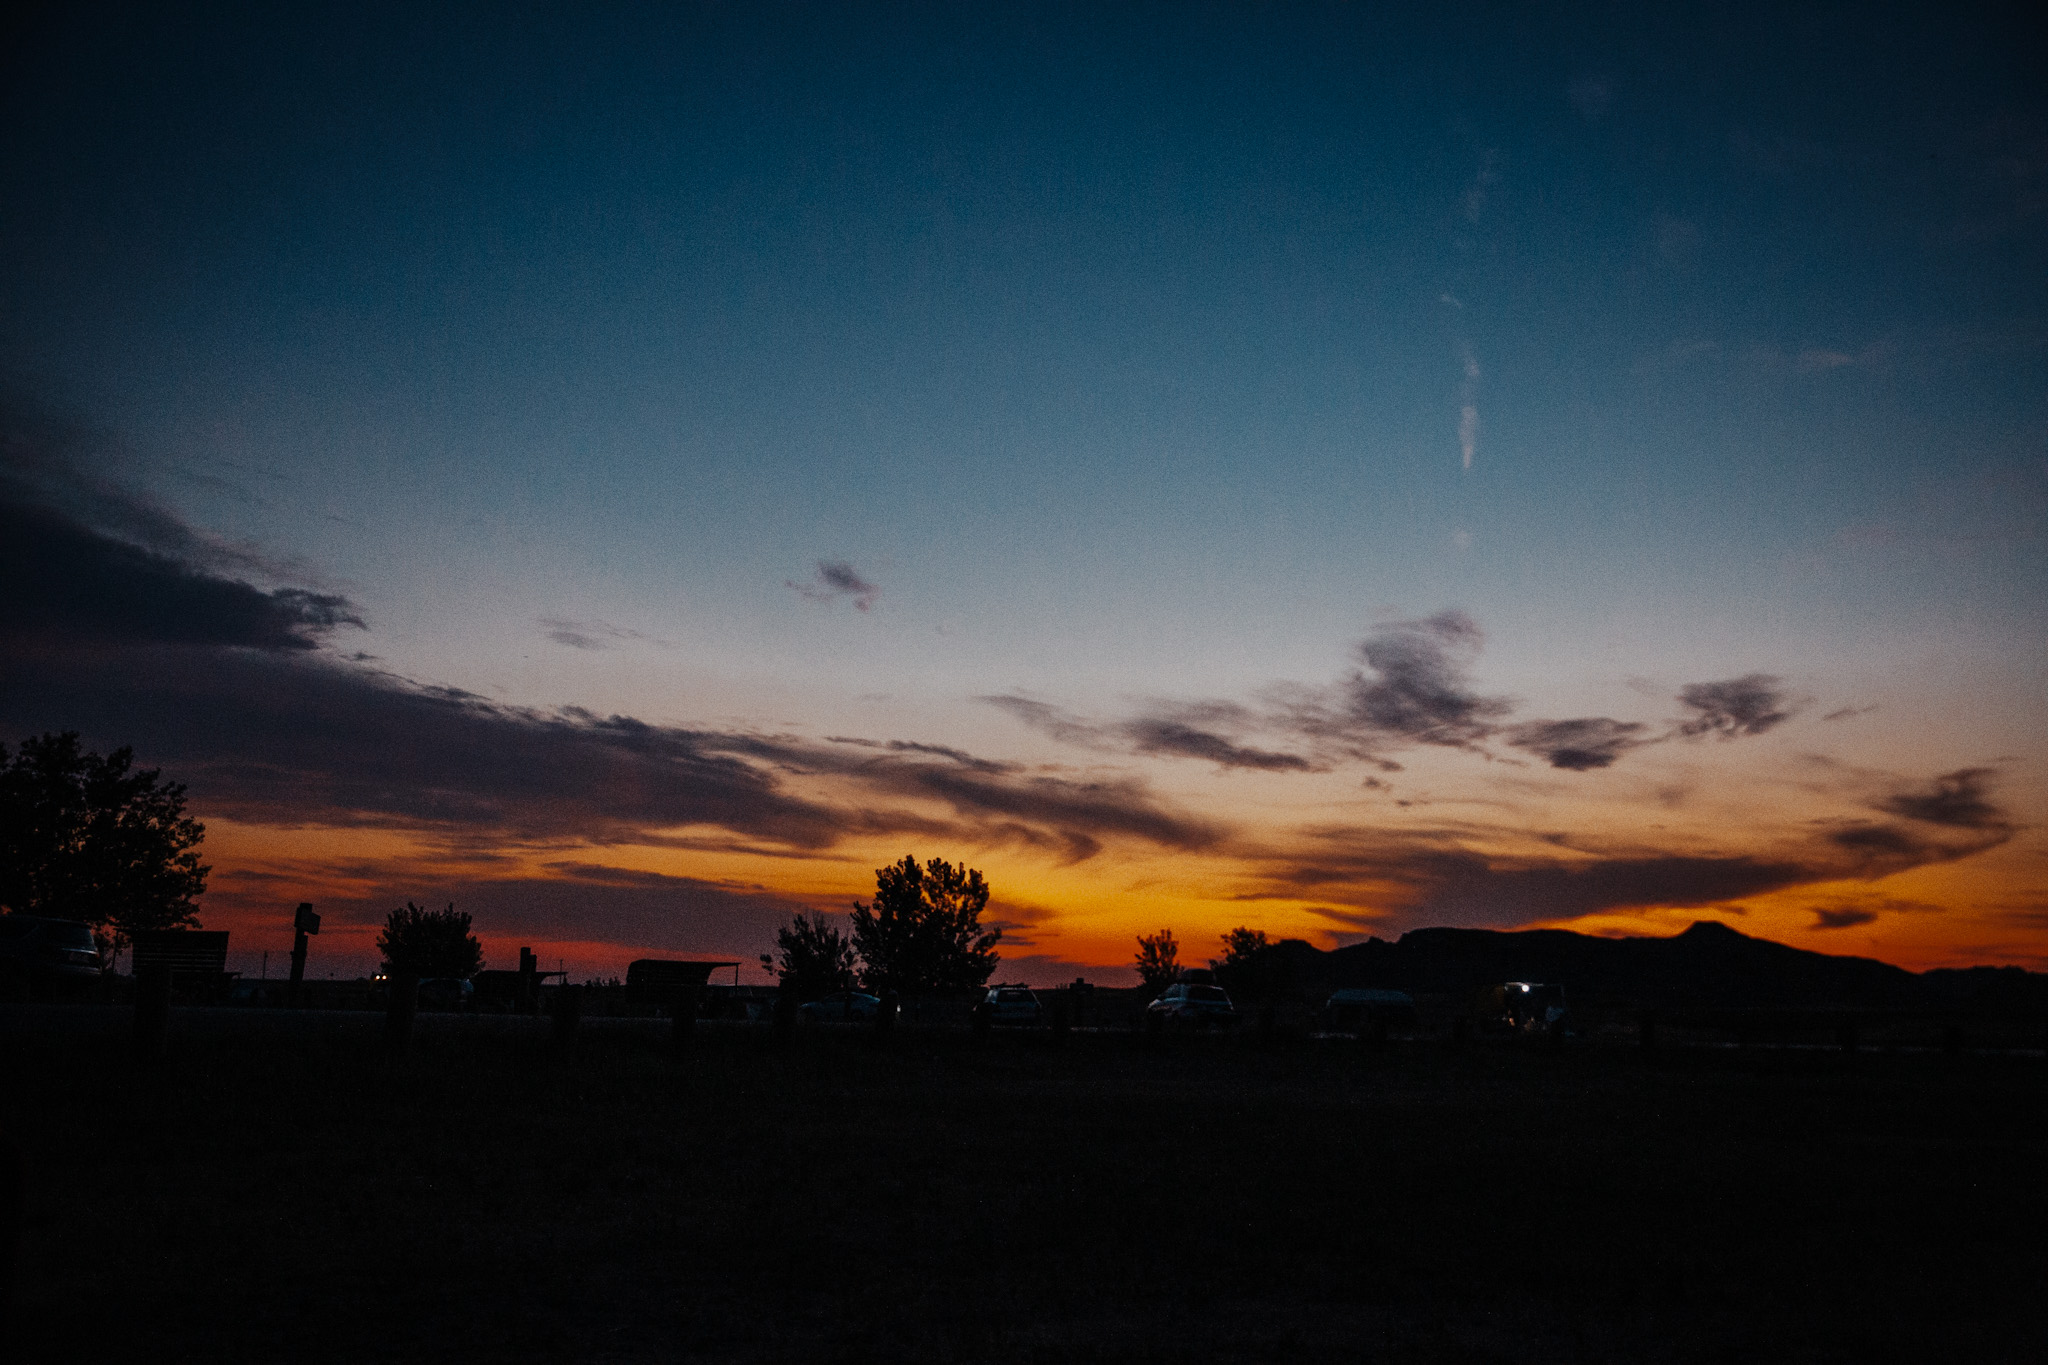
1706,965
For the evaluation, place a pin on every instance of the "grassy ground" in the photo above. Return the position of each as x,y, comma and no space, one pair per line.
282,1191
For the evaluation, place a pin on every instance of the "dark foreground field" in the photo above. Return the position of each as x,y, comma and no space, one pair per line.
277,1190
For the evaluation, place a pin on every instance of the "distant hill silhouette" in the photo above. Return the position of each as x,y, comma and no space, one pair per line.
1708,966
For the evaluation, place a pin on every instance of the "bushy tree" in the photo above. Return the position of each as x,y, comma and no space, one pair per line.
95,839
923,932
1158,960
1239,969
816,959
1240,946
427,943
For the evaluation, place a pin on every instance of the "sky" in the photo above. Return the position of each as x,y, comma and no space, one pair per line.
632,471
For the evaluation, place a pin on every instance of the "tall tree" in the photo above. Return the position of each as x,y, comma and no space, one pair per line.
425,943
923,932
816,959
96,839
1158,960
1251,967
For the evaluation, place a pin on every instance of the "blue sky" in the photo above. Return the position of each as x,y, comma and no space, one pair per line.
1158,354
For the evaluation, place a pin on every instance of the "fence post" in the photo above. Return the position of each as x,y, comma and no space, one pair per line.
885,1016
1059,1017
1646,1032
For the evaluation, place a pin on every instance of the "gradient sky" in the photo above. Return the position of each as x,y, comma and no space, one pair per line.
633,474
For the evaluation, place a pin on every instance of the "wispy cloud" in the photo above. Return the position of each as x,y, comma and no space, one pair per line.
1051,720
911,746
1415,688
833,580
1468,408
1578,745
592,635
1160,735
1749,705
1958,800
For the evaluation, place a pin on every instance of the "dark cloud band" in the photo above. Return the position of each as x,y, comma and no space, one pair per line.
68,581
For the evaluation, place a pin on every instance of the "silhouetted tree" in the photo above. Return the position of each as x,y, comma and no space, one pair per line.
1240,946
426,943
1158,960
816,959
1237,971
923,932
93,839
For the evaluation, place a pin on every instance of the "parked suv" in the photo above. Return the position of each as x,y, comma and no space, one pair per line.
1013,1005
1188,1004
45,956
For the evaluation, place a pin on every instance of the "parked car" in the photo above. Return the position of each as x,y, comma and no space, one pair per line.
46,956
1193,1005
843,1007
1013,1005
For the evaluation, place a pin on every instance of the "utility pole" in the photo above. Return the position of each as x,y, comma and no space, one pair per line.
305,922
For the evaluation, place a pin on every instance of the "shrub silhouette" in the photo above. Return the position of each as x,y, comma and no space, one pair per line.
816,959
426,943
